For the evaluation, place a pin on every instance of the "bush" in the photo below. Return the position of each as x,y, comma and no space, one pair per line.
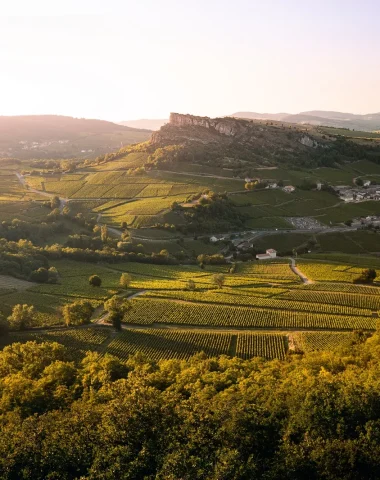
95,281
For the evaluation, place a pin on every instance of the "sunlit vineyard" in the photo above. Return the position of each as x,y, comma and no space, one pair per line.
308,341
371,302
166,344
150,311
326,272
279,303
261,345
78,341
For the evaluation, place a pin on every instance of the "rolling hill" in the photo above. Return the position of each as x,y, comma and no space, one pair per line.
368,122
55,136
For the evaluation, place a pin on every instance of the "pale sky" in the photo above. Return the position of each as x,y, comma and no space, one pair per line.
131,59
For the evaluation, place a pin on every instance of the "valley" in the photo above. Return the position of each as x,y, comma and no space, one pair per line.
174,218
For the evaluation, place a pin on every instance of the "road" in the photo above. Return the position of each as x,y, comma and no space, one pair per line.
62,201
298,272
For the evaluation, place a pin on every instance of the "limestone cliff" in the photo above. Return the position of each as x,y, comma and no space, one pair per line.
228,140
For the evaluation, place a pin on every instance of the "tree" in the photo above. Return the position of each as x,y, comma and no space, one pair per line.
78,312
124,225
125,280
95,281
191,285
22,317
55,202
359,182
53,275
104,233
219,279
41,275
250,185
116,307
367,276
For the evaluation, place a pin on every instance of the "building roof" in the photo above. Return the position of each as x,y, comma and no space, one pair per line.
262,255
271,250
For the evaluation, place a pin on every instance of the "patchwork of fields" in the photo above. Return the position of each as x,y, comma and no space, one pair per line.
257,311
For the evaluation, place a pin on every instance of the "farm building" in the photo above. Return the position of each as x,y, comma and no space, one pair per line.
289,189
270,253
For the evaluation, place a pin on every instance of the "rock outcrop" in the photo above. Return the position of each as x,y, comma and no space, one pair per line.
224,126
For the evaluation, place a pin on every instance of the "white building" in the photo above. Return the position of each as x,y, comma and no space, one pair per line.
289,189
270,253
367,183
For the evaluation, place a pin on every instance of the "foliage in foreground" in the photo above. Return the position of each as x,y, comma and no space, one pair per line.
313,417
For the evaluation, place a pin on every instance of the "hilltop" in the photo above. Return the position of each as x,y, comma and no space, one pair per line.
56,136
368,122
242,145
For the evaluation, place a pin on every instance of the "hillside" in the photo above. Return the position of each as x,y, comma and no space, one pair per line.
243,145
368,122
54,136
148,124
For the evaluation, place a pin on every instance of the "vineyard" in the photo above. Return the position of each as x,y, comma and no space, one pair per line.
181,344
251,315
151,311
78,341
308,341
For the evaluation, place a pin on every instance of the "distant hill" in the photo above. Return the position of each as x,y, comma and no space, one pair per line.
148,124
242,146
55,136
368,122
260,116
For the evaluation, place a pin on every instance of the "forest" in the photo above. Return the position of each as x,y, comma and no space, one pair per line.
309,416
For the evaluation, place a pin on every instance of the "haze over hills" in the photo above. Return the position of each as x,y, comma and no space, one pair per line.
56,136
368,122
147,124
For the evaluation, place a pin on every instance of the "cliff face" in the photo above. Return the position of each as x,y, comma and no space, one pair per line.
225,126
224,141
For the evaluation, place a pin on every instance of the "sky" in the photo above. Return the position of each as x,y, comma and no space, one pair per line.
131,59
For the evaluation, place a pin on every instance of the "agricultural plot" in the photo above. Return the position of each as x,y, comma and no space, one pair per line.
277,303
326,272
149,311
164,344
369,302
78,341
268,346
323,341
64,188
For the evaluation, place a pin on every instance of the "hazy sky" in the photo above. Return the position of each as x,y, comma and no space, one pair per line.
126,59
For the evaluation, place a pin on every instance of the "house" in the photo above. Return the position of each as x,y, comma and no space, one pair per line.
289,189
213,239
270,253
272,185
367,183
319,186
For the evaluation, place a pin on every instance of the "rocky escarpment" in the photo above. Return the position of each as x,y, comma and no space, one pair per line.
224,126
231,142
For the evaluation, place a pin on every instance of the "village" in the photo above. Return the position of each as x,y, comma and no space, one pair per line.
359,193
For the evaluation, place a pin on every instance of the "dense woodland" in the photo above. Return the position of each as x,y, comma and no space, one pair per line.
311,416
